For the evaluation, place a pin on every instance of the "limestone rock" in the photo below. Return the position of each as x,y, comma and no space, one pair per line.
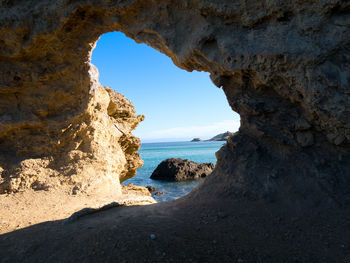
278,62
94,152
126,120
176,169
137,190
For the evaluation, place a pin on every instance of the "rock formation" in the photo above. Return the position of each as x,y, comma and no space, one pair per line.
196,140
176,169
92,151
222,136
283,65
143,195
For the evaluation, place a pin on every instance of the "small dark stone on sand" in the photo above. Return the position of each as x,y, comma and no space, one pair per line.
151,188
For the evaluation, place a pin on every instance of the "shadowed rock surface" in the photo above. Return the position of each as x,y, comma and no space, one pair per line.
176,169
282,180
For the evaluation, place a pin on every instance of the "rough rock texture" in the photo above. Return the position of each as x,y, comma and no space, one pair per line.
176,169
125,120
90,152
283,65
139,190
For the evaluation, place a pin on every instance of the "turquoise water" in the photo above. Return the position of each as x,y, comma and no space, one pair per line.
153,153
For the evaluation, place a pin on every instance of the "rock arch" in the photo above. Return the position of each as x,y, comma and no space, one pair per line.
283,66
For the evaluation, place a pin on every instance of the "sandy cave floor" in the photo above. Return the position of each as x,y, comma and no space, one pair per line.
200,231
31,207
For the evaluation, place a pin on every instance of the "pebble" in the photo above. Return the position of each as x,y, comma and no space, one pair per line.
240,260
151,188
152,236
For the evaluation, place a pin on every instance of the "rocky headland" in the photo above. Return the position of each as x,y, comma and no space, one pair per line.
222,136
176,169
280,191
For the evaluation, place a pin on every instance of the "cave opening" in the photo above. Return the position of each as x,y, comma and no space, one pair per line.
179,106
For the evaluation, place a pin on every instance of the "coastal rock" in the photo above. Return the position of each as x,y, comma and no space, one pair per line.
284,67
125,120
135,195
92,152
196,140
222,136
176,169
136,189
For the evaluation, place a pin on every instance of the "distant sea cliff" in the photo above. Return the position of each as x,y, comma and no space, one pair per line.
219,137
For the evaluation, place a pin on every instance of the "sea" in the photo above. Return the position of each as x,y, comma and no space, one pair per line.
153,153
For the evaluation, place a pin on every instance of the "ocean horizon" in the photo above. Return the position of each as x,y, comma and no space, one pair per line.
152,153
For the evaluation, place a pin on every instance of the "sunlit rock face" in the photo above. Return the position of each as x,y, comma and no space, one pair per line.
282,64
91,154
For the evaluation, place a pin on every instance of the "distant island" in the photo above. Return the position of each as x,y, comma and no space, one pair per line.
219,137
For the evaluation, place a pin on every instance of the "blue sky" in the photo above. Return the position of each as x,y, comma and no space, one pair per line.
178,105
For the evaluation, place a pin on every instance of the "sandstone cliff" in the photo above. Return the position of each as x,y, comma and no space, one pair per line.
94,152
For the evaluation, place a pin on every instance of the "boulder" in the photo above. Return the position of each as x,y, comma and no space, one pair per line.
176,169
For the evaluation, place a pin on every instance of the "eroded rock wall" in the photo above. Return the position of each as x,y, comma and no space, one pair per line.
284,66
93,153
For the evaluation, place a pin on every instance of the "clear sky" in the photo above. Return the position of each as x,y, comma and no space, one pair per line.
178,105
